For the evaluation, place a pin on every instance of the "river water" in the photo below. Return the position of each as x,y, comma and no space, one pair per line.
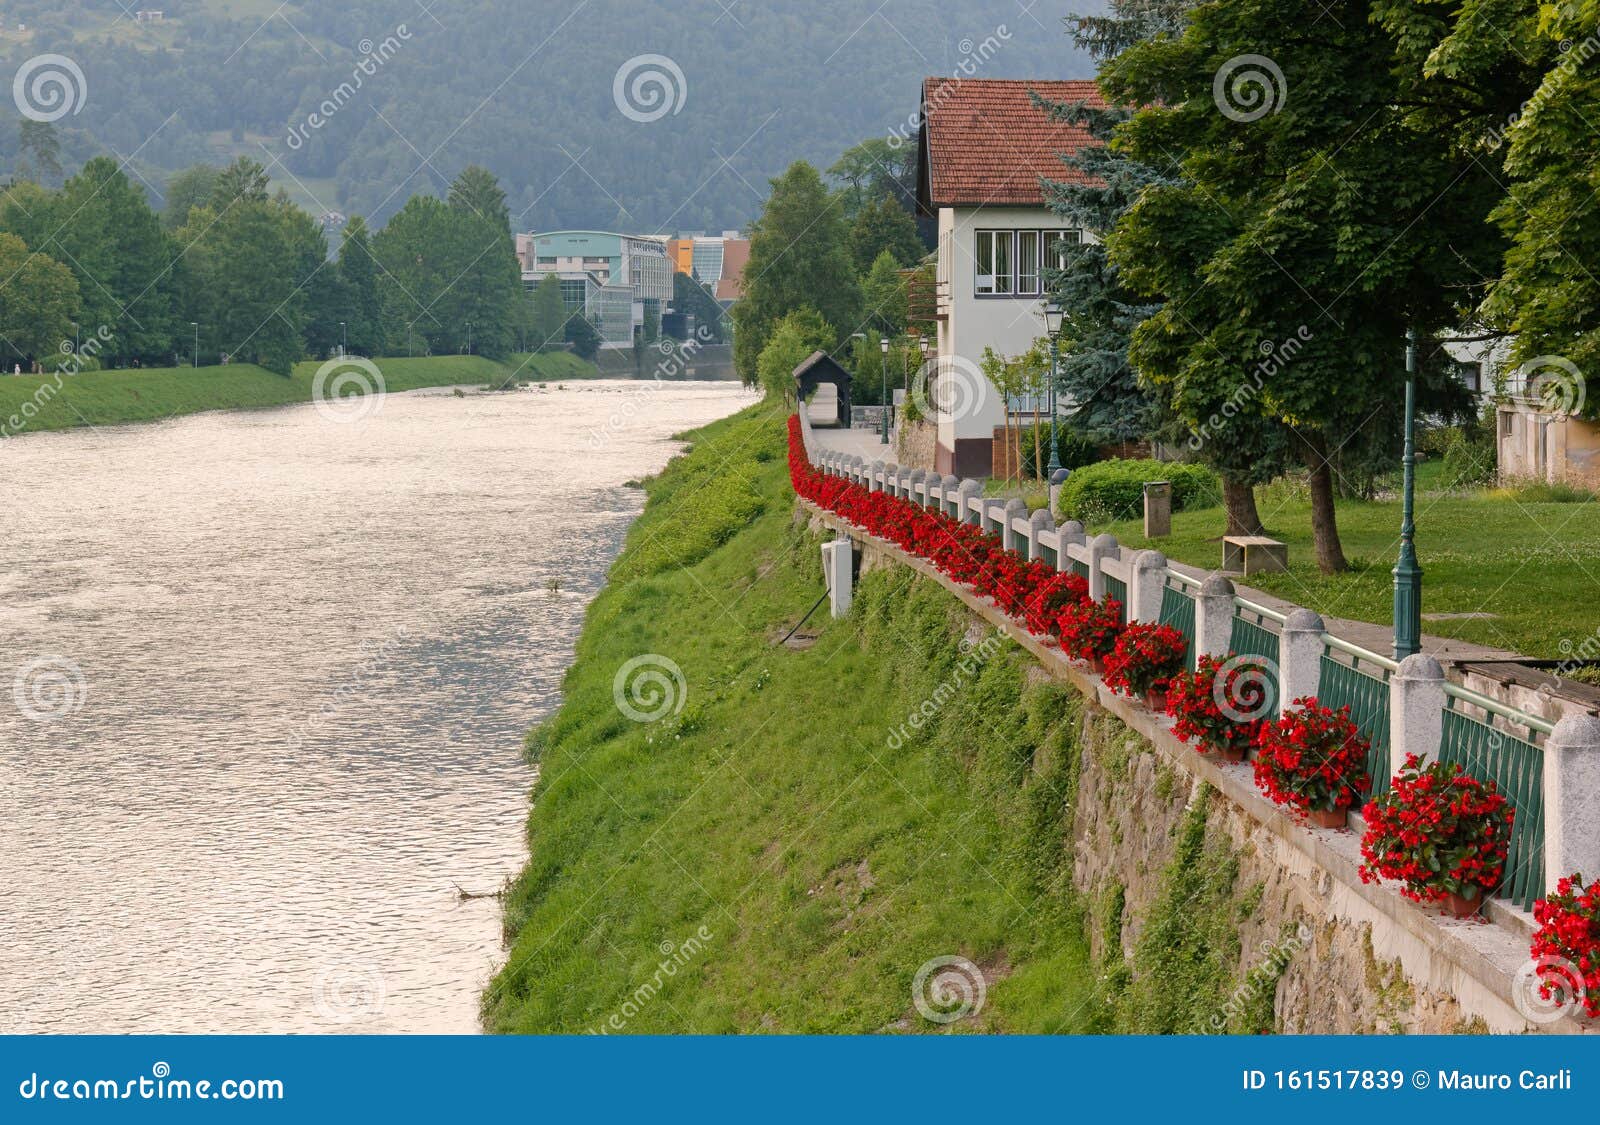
264,678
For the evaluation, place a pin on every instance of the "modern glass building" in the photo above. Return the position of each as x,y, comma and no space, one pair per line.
616,279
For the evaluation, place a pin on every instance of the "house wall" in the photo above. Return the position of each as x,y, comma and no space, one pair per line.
1008,324
1547,447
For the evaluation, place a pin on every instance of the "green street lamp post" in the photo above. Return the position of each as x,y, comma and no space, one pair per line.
196,326
1052,322
1407,573
884,410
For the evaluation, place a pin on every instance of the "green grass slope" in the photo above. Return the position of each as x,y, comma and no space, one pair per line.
781,850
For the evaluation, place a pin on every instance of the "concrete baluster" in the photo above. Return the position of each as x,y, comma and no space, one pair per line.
1213,618
1572,800
1040,522
1070,535
1416,710
969,492
1300,651
1009,538
1099,547
952,497
1146,586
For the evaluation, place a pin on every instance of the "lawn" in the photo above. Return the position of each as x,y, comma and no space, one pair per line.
1532,564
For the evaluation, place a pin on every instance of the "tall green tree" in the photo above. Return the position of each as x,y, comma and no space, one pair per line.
190,188
549,314
798,259
38,152
478,192
874,169
38,306
1316,210
800,333
245,267
883,225
243,181
490,285
359,274
885,292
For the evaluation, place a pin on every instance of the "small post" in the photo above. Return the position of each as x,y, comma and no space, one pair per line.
914,485
952,497
1099,547
1157,509
1146,586
874,477
1572,799
838,567
1213,618
1040,522
1009,539
970,491
1416,710
1057,479
1069,534
1300,651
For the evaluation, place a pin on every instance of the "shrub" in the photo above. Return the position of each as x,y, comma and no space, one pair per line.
1468,460
1108,491
1313,759
1438,830
1196,700
1566,946
1089,629
1145,658
1072,447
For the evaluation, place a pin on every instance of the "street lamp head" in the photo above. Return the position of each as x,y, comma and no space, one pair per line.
883,344
1053,312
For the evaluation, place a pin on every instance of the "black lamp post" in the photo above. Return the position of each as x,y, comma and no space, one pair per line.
1052,322
883,344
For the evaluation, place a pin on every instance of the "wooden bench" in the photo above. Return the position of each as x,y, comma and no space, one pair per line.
1253,554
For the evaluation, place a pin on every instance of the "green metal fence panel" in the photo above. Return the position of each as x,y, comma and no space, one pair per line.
1366,693
1516,766
1080,568
1251,638
1118,589
1177,610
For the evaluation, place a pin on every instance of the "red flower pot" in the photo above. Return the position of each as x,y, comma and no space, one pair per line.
1234,754
1328,818
1156,700
1458,907
1097,664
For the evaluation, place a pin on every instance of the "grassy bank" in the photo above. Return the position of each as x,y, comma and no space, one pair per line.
106,398
784,842
1527,565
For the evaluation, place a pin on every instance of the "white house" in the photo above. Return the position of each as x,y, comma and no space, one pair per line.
985,150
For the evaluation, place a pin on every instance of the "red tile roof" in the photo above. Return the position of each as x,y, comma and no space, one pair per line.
985,142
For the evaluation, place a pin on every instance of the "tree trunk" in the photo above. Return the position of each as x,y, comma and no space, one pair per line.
1324,525
1239,499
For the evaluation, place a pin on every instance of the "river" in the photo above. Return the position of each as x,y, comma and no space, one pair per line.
269,674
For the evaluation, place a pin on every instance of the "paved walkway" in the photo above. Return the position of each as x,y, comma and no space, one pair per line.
866,444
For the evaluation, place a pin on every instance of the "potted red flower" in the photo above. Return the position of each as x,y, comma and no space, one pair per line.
1442,833
1049,598
1089,630
1313,760
1196,700
1144,660
1567,944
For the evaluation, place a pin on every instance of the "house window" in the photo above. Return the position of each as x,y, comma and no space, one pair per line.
994,263
1471,375
1058,242
1027,263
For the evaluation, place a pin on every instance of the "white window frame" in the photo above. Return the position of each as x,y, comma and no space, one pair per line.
994,279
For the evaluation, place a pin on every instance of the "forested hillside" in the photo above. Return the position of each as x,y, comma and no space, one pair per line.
427,90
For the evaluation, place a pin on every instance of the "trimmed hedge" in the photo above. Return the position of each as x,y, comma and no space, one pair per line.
1109,491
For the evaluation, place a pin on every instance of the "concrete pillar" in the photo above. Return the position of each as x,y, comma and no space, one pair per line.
1213,618
1572,800
914,485
1057,479
1099,547
1146,586
875,477
1416,710
1040,522
1009,538
969,491
1300,651
838,571
952,497
889,471
1070,534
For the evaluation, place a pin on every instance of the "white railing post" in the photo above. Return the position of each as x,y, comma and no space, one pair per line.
1068,535
838,558
970,492
1040,522
1099,547
952,497
1416,710
914,485
1572,800
1300,649
875,477
1147,583
1009,539
1213,618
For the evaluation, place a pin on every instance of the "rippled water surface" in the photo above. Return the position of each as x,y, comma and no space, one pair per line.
263,683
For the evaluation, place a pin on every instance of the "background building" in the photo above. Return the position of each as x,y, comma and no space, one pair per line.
620,281
716,261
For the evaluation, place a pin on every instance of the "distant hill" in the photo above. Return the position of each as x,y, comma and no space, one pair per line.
525,87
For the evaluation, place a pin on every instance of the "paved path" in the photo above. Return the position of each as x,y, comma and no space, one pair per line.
857,443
